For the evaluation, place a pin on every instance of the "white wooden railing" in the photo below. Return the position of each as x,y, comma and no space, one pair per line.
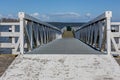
97,33
11,33
115,38
32,33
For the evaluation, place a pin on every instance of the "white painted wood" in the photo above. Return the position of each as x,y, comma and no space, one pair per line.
116,35
12,35
31,32
108,25
10,23
41,35
13,30
27,33
114,43
31,35
44,29
22,24
17,45
37,35
6,45
115,23
95,35
13,38
89,34
100,35
92,30
9,34
119,37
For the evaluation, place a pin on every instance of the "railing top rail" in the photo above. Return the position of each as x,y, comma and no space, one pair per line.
115,23
28,17
9,23
107,14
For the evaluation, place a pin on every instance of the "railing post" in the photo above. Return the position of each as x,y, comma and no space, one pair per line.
22,24
119,38
41,34
44,32
13,39
31,35
108,25
37,35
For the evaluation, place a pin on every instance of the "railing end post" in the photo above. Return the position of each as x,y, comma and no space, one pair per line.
108,14
21,14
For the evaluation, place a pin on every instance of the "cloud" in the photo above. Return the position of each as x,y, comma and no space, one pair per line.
56,17
42,17
63,16
35,14
66,15
88,15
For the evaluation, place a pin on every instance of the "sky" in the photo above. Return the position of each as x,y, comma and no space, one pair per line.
60,10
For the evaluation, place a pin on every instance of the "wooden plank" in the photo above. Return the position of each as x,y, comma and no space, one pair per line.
115,34
9,23
6,45
9,34
115,23
114,43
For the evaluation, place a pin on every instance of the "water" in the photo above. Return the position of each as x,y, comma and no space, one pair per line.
63,24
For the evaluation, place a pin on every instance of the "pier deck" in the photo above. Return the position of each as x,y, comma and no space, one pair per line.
63,67
65,46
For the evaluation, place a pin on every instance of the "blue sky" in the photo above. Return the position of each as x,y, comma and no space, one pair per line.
60,10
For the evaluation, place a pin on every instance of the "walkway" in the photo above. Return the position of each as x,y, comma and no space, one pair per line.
65,46
63,67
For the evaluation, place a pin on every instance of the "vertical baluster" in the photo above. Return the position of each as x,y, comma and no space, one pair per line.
119,39
13,38
22,24
108,25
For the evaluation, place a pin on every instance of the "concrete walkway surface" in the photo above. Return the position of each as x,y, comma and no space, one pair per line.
63,67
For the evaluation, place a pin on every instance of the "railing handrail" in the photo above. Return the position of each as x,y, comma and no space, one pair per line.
28,33
115,23
93,27
99,18
28,17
